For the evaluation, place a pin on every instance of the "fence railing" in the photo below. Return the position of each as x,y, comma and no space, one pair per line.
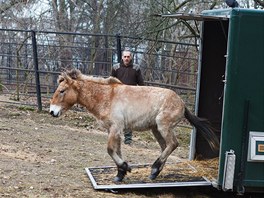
30,61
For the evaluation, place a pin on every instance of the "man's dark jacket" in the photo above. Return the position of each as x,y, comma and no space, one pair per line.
129,75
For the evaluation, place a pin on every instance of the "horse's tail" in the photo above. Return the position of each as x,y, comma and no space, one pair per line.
203,126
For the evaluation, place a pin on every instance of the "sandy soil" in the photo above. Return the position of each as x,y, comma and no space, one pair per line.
42,156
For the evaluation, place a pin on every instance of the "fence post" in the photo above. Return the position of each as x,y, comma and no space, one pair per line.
35,61
118,47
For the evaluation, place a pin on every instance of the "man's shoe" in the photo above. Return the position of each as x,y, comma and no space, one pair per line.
128,136
127,141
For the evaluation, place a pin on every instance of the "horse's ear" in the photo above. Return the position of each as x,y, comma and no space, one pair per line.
60,79
64,77
74,73
67,77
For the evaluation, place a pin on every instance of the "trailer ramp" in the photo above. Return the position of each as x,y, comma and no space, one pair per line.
180,174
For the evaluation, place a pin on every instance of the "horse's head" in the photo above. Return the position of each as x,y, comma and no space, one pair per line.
65,96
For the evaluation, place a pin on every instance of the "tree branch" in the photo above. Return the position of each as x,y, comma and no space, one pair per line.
9,4
259,2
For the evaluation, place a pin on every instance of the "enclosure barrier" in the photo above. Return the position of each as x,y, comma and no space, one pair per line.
30,62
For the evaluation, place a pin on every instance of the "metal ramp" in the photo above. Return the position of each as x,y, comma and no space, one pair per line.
173,175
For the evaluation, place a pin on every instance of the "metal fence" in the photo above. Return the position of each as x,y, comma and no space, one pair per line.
30,62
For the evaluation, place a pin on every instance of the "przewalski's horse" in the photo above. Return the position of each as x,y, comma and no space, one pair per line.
120,107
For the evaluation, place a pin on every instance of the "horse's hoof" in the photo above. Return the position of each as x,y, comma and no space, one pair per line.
154,173
118,179
122,171
129,168
152,176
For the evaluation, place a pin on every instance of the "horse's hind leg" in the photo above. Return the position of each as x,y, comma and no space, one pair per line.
159,138
168,143
114,150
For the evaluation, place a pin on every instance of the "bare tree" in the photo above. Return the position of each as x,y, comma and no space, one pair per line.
259,2
135,18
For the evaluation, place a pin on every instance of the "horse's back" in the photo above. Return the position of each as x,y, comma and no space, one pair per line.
153,95
139,107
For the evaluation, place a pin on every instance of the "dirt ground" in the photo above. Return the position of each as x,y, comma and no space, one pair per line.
42,156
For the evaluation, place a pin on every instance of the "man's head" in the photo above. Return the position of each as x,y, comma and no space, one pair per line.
126,57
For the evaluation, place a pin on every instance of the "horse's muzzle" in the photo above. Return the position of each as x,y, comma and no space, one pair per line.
55,110
53,114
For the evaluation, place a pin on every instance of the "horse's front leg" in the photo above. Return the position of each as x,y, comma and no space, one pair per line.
114,150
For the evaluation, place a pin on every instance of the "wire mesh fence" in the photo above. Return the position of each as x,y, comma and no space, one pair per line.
30,62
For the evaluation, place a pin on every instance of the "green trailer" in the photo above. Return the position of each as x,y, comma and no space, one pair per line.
230,93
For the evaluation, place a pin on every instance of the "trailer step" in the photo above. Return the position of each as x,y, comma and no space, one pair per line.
173,175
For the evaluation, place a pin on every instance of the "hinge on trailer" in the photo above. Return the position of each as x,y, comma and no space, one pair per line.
229,170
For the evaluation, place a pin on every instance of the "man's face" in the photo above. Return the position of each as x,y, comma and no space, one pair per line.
126,57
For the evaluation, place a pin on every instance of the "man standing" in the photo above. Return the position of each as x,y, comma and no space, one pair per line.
130,74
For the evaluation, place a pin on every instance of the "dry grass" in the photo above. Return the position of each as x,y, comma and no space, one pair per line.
182,171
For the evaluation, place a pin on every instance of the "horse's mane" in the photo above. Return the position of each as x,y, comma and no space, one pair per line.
77,75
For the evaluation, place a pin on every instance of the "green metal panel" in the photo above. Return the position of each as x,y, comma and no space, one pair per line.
243,109
243,105
218,12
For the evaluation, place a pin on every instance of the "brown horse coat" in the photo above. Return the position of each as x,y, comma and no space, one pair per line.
120,106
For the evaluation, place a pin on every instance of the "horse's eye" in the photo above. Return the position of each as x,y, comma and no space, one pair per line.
62,91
